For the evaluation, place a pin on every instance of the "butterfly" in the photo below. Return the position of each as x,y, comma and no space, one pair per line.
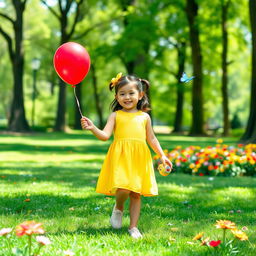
185,79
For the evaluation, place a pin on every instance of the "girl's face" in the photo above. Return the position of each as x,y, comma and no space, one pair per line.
128,96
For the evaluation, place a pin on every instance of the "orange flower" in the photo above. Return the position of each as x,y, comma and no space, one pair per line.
225,224
29,228
198,236
210,167
239,234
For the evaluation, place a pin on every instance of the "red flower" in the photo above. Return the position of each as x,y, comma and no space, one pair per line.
201,174
214,243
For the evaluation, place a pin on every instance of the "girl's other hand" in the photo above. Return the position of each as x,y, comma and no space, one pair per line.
165,161
86,123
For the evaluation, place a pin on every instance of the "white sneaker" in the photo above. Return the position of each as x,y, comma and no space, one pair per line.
135,233
116,218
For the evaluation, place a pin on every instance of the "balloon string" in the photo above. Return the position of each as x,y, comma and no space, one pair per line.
77,101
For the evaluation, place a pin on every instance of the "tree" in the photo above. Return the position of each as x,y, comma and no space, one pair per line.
250,132
197,90
17,120
224,87
66,8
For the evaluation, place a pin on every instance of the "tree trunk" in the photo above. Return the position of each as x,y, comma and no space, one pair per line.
180,88
17,120
60,121
250,133
197,89
224,87
96,97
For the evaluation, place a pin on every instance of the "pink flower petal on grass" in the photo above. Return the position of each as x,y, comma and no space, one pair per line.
5,231
43,240
68,253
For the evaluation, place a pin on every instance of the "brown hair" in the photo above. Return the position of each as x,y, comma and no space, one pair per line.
142,86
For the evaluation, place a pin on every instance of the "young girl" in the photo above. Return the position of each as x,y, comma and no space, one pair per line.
128,169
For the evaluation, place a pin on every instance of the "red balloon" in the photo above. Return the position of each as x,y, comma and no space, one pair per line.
71,62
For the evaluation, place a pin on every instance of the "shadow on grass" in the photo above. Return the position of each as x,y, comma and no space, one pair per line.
41,149
71,176
49,136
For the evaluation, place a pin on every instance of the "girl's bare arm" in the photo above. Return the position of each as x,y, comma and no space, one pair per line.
154,143
104,134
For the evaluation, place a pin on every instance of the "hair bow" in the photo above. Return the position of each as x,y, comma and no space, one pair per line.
115,80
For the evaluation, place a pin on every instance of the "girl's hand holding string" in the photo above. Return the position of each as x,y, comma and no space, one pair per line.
86,123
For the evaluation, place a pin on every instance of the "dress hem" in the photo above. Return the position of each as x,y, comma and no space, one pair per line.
133,190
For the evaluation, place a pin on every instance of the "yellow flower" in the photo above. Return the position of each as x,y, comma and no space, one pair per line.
225,224
222,169
219,141
239,234
252,162
198,236
192,166
195,170
115,80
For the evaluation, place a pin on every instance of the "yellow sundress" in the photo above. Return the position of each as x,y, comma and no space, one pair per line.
128,163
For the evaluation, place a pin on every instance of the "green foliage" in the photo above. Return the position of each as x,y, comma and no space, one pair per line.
115,33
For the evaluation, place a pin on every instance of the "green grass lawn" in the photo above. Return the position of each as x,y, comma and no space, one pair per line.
58,173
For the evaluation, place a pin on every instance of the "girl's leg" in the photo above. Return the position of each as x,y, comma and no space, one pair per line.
134,209
121,197
117,213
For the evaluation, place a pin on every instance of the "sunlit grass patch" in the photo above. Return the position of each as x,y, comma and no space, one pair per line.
59,180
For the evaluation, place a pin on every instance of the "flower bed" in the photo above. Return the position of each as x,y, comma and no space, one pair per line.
221,160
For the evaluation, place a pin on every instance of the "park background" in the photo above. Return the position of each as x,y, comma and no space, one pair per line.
42,144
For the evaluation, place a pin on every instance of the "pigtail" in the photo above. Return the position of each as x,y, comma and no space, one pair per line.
111,87
145,84
143,104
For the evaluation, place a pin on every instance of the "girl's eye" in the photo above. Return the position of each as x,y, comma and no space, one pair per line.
132,93
122,94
